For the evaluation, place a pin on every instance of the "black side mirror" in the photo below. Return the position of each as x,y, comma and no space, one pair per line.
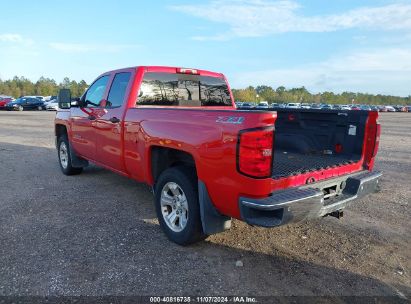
64,99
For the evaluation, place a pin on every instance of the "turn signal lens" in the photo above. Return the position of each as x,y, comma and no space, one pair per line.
255,152
377,140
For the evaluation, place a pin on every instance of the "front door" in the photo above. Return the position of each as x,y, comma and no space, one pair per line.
109,127
82,120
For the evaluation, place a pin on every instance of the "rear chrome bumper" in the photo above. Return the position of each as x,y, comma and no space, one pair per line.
296,204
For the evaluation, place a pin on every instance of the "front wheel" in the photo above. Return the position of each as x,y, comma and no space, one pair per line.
177,207
21,108
40,108
63,150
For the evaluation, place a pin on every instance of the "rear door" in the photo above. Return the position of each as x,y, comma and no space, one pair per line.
109,126
82,120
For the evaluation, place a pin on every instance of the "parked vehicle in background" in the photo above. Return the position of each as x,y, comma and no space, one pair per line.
208,162
345,108
400,108
408,108
382,109
262,105
293,105
305,105
52,105
326,107
238,104
365,108
42,98
247,105
315,106
48,98
25,103
355,108
4,101
390,109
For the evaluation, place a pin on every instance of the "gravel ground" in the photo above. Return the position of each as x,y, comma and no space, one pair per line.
96,233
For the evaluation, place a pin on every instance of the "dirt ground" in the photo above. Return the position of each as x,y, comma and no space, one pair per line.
96,233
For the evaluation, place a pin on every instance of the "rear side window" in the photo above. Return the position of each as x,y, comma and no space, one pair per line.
118,90
168,89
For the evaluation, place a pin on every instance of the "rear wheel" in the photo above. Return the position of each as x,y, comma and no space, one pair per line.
63,149
177,207
21,108
39,108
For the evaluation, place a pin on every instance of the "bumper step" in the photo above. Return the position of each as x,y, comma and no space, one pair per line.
296,204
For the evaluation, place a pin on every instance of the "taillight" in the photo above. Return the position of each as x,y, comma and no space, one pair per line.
255,152
377,140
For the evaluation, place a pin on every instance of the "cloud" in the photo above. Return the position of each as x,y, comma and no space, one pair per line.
15,39
256,18
85,48
384,71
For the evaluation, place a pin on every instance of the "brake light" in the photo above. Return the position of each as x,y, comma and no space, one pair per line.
255,152
187,71
377,140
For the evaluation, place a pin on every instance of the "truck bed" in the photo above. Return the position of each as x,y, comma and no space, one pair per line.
292,163
312,140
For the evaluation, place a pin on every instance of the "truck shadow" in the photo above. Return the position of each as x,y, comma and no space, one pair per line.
96,234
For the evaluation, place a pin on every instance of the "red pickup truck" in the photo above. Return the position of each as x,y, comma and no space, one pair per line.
178,130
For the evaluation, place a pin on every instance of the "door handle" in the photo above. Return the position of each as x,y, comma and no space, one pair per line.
114,120
91,117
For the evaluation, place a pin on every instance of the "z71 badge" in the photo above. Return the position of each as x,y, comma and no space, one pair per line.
236,120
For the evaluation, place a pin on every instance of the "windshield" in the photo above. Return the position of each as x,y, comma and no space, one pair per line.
168,89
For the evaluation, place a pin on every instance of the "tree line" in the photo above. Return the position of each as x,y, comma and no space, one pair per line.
283,95
21,86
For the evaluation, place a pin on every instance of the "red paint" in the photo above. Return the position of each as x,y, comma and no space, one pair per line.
125,147
4,101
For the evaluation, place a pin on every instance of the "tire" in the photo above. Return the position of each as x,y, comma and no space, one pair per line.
172,186
40,108
21,108
63,151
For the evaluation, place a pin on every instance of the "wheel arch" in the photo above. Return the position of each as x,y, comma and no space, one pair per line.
59,130
162,158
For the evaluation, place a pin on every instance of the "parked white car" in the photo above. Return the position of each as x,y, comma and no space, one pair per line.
293,105
263,105
52,105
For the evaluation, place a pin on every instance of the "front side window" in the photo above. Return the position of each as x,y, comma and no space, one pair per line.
96,92
118,90
168,89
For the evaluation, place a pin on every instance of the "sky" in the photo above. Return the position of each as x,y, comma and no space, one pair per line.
339,45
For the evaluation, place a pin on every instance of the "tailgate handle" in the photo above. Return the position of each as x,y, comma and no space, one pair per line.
114,120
